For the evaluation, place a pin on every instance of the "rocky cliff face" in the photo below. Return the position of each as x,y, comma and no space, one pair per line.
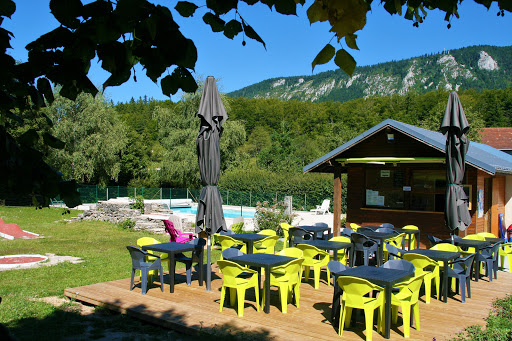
478,67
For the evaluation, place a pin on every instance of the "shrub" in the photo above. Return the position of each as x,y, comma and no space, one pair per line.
271,216
238,227
128,224
137,203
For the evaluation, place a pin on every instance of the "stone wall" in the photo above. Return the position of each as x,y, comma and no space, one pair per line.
117,212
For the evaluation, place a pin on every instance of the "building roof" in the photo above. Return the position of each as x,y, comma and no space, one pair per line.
482,156
499,138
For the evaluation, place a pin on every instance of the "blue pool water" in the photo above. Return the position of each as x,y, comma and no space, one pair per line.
227,213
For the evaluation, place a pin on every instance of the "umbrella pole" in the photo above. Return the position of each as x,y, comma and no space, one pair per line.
208,263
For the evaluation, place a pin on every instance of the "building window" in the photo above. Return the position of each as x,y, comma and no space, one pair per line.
407,189
428,190
384,188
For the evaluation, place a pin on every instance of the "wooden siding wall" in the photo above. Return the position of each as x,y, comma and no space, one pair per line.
428,222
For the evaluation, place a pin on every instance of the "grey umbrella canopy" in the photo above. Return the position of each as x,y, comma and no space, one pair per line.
454,127
209,217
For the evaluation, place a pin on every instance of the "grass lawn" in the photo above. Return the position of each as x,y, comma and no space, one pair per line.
100,245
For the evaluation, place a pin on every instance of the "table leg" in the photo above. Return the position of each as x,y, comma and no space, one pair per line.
381,252
249,247
418,240
201,267
267,289
477,265
387,312
172,269
445,283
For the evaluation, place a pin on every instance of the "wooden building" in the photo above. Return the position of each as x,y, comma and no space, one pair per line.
396,173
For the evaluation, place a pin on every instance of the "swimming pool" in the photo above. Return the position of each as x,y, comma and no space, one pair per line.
227,213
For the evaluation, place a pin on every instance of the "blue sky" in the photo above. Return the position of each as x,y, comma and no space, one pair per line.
292,43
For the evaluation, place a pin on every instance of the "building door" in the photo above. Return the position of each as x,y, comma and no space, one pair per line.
487,204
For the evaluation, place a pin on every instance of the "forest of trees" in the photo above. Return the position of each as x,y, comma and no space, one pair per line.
265,144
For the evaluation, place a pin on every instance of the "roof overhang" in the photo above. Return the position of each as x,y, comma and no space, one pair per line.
382,160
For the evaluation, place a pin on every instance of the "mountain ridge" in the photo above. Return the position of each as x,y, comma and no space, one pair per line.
476,67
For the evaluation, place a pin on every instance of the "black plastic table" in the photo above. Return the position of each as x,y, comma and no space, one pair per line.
439,255
266,261
383,277
249,239
478,245
329,245
173,248
380,237
495,240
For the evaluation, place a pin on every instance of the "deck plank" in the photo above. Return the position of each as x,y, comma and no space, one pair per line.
192,309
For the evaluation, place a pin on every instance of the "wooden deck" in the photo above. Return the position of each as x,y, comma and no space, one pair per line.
194,310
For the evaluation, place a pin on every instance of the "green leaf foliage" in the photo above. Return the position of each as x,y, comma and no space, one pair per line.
215,22
251,33
324,56
345,61
232,28
185,8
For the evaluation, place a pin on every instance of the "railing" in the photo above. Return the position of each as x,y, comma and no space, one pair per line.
301,201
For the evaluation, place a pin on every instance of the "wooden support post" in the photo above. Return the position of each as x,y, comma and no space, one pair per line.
337,203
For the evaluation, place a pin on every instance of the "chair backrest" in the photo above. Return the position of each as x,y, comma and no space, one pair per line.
169,228
291,252
286,233
399,264
463,264
410,227
433,240
360,241
420,262
354,226
445,247
355,289
336,266
385,230
146,241
299,235
394,251
321,224
226,241
231,252
346,231
486,235
491,251
292,270
268,243
474,237
387,225
310,251
238,220
139,256
413,286
268,232
230,270
227,233
325,204
343,239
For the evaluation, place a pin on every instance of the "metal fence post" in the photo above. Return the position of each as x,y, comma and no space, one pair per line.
96,193
107,193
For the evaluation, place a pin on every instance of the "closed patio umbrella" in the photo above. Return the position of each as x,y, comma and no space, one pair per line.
455,126
209,217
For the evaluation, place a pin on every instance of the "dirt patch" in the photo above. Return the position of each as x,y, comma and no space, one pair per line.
52,260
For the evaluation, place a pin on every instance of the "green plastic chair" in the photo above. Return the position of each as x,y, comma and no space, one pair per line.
227,242
407,298
354,296
342,256
164,257
316,258
428,267
265,245
286,232
446,247
506,251
354,226
396,241
413,236
287,278
268,232
290,252
237,284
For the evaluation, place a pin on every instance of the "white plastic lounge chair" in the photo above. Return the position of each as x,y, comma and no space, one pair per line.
322,209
